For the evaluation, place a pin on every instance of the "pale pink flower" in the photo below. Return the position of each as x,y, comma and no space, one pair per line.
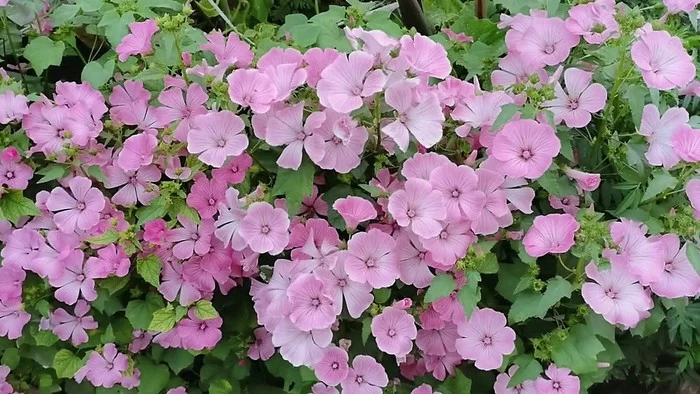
662,60
12,107
503,379
137,151
457,184
419,207
300,347
413,261
659,131
174,283
436,337
265,228
692,190
11,280
285,77
205,195
394,330
191,237
251,88
140,339
355,210
14,174
514,68
123,100
317,60
485,339
347,80
459,37
686,143
182,105
343,142
442,366
313,205
67,326
154,231
286,128
216,136
262,348
553,233
425,56
560,382
311,307
616,295
643,257
177,390
595,23
679,278
198,334
234,169
678,6
366,376
81,210
138,42
421,165
526,148
569,204
548,40
370,259
357,295
229,221
575,106
495,212
229,50
479,111
77,278
375,42
452,91
320,388
137,186
13,318
111,260
104,370
278,56
421,118
586,181
333,367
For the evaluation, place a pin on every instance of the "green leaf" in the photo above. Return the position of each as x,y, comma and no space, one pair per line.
651,324
154,377
66,364
178,359
531,304
97,74
96,172
52,172
305,35
528,369
294,185
155,210
149,269
470,294
163,319
566,144
43,52
205,310
89,5
366,329
140,312
13,205
456,384
441,286
64,13
693,253
506,114
578,351
109,237
220,387
10,357
660,182
381,295
557,288
636,96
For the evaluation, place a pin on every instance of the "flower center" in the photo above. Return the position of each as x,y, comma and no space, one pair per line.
573,103
265,229
315,302
411,213
342,283
212,201
202,327
110,365
81,206
359,379
526,154
565,200
610,293
391,333
549,49
421,255
487,340
80,277
669,267
221,143
556,385
455,193
335,365
10,175
195,236
301,136
370,262
337,140
356,90
443,234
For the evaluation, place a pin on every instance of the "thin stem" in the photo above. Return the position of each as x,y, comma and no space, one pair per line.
80,55
316,7
228,22
377,122
12,47
564,265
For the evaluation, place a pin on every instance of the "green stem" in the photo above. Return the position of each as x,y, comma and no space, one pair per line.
228,22
12,47
377,122
316,7
80,55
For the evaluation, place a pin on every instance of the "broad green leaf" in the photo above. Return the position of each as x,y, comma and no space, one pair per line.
635,97
220,387
261,9
528,369
651,324
470,294
89,5
381,295
294,185
163,320
66,364
149,269
43,52
506,114
10,357
110,236
366,329
660,182
155,210
578,351
64,13
140,312
205,310
557,288
305,35
290,21
531,304
566,145
97,74
509,275
13,205
456,384
52,172
693,253
441,286
178,359
96,172
154,377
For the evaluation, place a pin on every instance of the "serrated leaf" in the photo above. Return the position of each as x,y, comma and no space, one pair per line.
456,384
149,269
66,364
43,52
110,236
528,369
532,304
506,114
140,312
660,182
13,205
470,294
578,351
155,210
97,74
52,172
441,286
205,310
89,5
163,320
294,185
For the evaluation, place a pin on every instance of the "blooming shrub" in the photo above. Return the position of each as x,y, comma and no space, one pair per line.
339,204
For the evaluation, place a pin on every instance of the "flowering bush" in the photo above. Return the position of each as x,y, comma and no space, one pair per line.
339,204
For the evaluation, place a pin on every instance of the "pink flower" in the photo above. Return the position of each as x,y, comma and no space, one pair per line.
441,366
286,77
278,56
251,88
229,221
198,334
344,141
123,100
514,68
526,148
596,24
182,106
686,143
678,6
317,60
354,210
347,80
495,212
262,348
479,111
205,195
229,51
320,388
503,379
586,181
414,261
12,107
583,99
662,60
366,376
191,237
659,131
300,347
357,295
11,281
425,56
15,175
112,260
569,204
264,228
643,257
457,184
13,318
421,165
137,151
138,42
547,40
485,339
104,370
77,278
10,154
67,326
616,295
138,186
370,259
234,169
174,283
679,278
216,136
560,382
422,118
177,390
394,330
692,190
289,130
81,210
154,231
140,339
333,367
450,244
311,307
418,206
553,233
459,37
